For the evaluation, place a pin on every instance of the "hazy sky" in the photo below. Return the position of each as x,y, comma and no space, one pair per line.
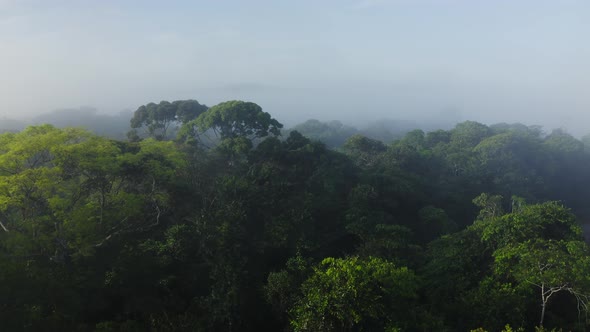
487,60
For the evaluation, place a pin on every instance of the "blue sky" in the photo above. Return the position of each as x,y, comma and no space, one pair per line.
354,60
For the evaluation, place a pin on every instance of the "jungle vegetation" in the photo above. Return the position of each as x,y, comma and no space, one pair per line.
217,219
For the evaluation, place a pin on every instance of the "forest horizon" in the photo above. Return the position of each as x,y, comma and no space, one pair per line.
296,166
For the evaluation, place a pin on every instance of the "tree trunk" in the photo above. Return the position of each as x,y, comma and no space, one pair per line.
542,313
543,304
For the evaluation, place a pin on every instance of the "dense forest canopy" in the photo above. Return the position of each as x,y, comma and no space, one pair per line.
213,219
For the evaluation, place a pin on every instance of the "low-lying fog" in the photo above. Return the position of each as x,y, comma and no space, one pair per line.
358,61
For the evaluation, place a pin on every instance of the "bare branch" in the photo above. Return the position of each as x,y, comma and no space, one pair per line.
3,227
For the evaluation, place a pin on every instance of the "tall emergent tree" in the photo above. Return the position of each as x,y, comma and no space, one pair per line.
235,124
156,119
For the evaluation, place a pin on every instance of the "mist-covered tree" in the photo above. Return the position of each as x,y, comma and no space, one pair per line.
234,123
156,119
166,235
332,133
363,150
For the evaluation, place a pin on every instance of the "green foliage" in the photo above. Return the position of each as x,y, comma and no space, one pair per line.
332,133
455,265
469,134
435,222
491,206
282,287
160,235
507,328
157,118
563,143
541,246
546,221
233,120
364,151
355,294
505,159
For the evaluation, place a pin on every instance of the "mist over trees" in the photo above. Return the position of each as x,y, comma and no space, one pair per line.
336,166
198,218
114,126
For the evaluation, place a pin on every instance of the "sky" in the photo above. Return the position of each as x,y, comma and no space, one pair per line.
353,60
